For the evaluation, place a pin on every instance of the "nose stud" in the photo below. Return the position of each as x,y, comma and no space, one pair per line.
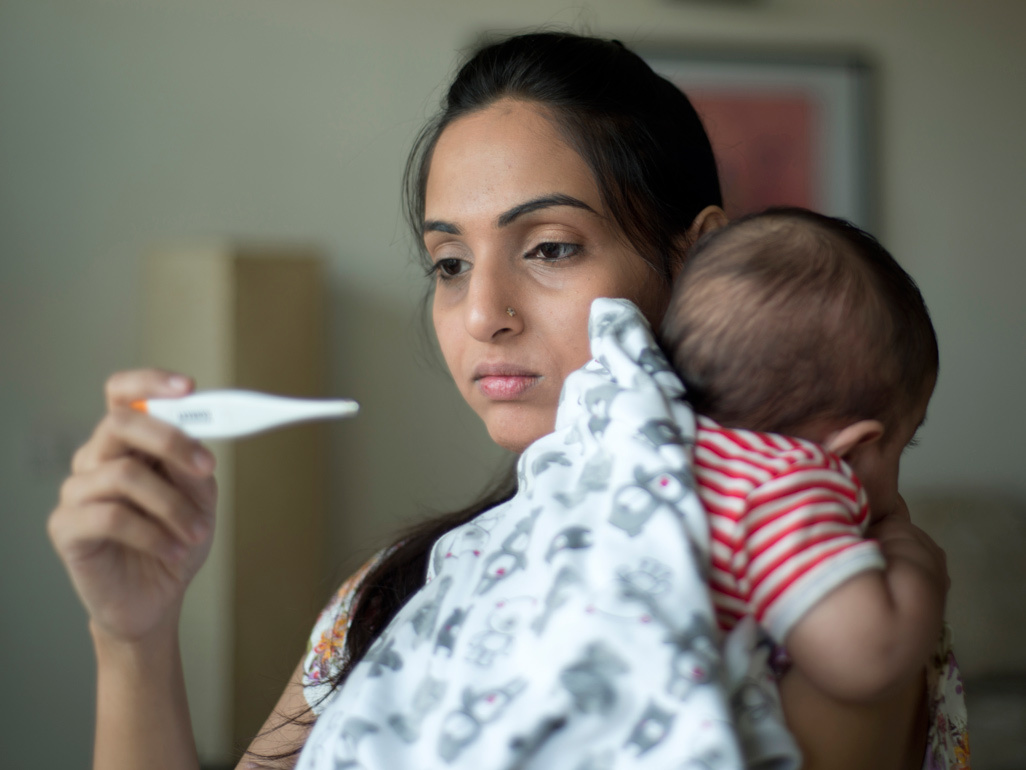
510,312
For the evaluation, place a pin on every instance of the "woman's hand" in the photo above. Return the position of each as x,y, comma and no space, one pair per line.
135,518
899,538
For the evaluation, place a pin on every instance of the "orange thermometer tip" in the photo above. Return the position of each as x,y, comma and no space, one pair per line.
139,406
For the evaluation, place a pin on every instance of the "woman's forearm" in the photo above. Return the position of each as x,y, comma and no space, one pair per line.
889,734
142,716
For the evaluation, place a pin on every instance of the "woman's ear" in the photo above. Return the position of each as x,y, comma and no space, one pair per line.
844,441
710,218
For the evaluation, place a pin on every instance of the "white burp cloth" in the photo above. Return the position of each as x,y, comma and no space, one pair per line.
572,626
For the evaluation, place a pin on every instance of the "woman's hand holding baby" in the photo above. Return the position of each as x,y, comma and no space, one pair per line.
900,539
135,518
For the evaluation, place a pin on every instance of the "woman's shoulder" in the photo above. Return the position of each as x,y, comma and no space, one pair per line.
326,647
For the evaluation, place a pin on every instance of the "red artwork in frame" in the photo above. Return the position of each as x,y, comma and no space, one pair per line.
764,146
785,129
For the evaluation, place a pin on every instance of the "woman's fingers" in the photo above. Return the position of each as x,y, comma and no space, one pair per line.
123,431
77,532
940,556
900,538
122,388
901,510
131,480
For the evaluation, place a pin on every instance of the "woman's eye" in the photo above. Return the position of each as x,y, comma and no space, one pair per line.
554,250
448,268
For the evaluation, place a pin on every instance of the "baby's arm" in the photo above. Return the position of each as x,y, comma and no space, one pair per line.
875,632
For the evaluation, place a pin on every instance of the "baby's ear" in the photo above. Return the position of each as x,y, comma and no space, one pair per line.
842,442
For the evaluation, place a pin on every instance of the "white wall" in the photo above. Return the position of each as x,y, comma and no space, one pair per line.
130,123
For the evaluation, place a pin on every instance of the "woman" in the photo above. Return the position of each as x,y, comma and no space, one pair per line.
562,169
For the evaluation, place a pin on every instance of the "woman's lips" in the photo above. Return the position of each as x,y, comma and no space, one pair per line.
501,382
505,387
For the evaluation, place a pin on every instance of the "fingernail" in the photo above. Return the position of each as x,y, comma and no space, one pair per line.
203,461
177,382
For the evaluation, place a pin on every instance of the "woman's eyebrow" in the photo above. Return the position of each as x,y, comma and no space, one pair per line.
508,217
544,202
438,226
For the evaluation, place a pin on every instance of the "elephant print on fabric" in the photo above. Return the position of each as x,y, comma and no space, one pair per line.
566,578
634,504
504,623
651,729
426,699
594,478
539,465
525,747
570,539
470,539
427,615
660,433
696,661
542,463
608,324
510,559
463,726
450,629
590,680
381,656
598,402
352,732
653,363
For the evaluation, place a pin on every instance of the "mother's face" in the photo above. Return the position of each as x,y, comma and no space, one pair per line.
521,244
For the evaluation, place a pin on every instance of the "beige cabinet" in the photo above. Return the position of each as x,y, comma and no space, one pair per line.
251,318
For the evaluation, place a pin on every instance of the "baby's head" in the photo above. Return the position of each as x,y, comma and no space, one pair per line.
792,322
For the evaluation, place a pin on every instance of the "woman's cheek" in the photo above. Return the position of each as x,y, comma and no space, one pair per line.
447,342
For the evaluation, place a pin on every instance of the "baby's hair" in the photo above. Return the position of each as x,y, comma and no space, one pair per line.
787,316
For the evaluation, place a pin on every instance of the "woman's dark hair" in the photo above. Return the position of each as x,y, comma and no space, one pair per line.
655,171
636,131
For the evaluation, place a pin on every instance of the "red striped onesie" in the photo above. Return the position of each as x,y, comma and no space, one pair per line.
787,522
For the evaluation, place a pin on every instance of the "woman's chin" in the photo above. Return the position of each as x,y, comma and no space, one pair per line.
518,429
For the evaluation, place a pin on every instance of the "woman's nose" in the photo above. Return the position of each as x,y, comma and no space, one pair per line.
490,310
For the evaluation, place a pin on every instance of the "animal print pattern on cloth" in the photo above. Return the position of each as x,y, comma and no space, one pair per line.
571,627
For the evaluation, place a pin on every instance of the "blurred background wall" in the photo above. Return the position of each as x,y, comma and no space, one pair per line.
128,125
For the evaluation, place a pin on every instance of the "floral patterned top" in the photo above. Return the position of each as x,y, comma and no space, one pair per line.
325,653
947,746
947,740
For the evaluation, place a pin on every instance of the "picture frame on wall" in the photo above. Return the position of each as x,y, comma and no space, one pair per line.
786,128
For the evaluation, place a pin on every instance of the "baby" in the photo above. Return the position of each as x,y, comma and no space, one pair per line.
810,358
